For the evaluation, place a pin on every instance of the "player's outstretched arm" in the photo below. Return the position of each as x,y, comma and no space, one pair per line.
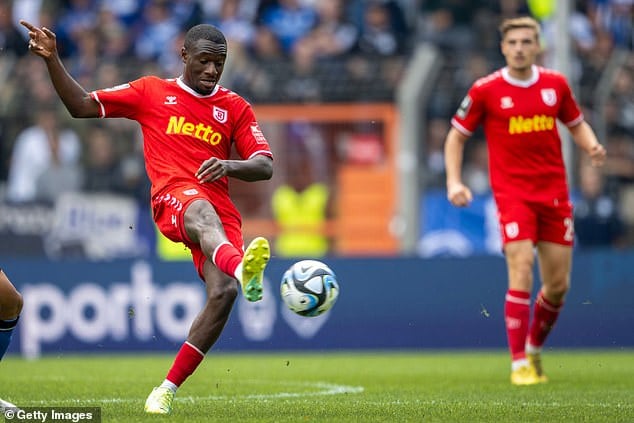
42,41
458,194
587,140
257,168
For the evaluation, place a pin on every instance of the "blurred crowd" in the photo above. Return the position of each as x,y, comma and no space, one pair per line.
289,51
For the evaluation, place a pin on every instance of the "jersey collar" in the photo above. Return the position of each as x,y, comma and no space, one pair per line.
521,82
187,88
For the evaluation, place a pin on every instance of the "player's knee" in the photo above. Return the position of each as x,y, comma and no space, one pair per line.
225,292
556,288
11,305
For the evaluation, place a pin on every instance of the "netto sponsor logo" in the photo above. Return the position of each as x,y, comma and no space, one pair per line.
179,126
525,125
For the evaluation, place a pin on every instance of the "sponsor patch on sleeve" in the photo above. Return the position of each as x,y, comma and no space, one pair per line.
257,133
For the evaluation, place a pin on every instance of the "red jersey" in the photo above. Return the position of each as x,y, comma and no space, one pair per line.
519,121
182,128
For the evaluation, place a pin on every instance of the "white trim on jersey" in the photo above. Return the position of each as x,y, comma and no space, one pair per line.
460,128
521,82
187,88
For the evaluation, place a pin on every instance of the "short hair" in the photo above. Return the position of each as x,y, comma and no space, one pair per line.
522,22
206,32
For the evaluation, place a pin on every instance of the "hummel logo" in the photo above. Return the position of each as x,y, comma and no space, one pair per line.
170,99
506,102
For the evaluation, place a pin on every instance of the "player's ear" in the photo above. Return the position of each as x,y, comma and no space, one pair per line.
184,54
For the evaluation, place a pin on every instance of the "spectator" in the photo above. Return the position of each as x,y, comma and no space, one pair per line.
378,36
302,83
437,129
236,27
127,12
158,30
449,24
290,21
266,47
74,20
476,171
334,35
115,37
43,149
11,40
614,17
597,219
187,12
102,167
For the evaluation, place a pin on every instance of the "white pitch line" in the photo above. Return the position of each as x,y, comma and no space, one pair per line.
322,389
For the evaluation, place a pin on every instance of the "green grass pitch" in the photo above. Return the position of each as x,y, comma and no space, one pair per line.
347,386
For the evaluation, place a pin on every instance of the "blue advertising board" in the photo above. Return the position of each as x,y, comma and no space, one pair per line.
385,303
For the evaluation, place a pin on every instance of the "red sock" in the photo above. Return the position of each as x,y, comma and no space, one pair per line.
516,317
186,361
545,315
226,257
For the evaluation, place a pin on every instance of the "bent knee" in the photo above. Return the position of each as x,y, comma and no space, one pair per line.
555,290
226,291
11,306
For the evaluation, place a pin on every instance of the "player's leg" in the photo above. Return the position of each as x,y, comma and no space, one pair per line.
520,259
204,227
555,263
10,308
205,330
518,224
554,247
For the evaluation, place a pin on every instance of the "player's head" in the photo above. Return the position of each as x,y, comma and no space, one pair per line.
204,53
520,43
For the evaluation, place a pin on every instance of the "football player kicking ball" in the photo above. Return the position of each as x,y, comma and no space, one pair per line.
189,125
518,107
10,308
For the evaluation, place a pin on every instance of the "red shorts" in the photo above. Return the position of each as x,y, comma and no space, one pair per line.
168,211
537,221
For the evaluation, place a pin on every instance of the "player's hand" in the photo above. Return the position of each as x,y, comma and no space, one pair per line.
597,154
211,170
42,41
459,195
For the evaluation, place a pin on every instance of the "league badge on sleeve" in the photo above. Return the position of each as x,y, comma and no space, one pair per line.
257,133
465,105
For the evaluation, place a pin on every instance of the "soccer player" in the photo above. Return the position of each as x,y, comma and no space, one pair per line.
10,308
189,125
518,107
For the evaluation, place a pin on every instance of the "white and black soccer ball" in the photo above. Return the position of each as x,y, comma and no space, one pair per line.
309,288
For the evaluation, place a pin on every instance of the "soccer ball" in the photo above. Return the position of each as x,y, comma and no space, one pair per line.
309,288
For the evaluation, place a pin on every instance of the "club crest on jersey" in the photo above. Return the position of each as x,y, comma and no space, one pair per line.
220,114
170,99
549,96
512,229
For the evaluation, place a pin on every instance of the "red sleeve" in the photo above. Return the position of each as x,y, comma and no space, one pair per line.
248,137
122,100
569,113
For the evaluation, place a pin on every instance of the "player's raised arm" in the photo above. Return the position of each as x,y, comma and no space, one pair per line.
42,41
